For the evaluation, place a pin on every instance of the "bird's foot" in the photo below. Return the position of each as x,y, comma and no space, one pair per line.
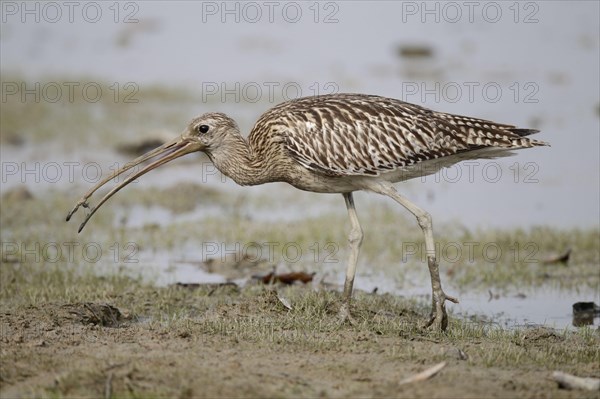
438,319
344,316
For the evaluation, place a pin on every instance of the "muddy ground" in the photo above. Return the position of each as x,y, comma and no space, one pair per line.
117,337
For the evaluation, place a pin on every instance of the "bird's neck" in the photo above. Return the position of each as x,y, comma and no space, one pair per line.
236,160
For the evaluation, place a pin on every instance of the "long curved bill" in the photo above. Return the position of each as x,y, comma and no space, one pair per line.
165,153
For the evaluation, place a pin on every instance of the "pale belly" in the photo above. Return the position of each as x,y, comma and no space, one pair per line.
308,180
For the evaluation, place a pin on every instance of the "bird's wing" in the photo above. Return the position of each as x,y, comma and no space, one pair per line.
370,135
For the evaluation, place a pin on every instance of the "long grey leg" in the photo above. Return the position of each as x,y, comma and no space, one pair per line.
355,239
439,318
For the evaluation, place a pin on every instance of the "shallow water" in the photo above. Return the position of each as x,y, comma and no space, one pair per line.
551,307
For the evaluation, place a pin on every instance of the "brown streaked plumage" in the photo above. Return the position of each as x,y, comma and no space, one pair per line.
340,143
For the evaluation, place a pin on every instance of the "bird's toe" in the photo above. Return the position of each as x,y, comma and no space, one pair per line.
438,320
344,316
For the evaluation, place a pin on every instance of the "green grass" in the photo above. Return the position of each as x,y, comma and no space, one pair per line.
515,264
117,116
255,315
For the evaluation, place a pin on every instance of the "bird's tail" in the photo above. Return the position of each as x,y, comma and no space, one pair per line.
483,133
523,132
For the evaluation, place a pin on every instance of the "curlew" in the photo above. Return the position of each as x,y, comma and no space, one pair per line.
340,143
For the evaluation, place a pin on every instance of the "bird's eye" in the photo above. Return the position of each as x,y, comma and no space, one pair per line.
202,128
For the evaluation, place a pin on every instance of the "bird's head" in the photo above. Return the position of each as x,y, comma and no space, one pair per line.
210,131
203,133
